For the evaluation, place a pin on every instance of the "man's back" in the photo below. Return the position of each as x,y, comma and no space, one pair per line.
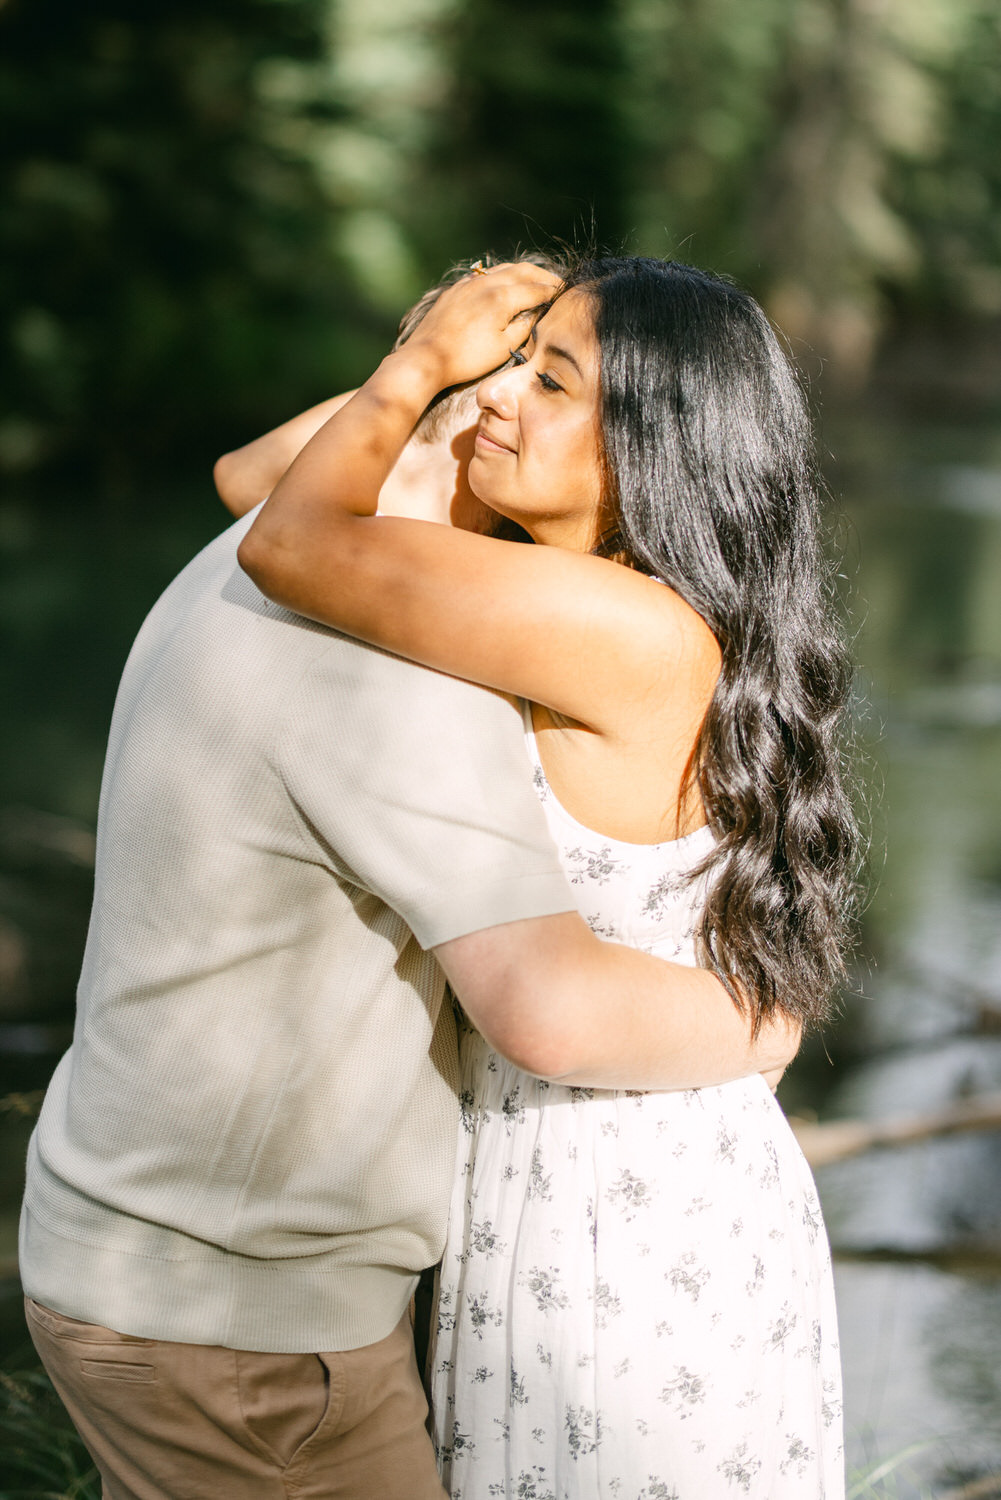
251,1140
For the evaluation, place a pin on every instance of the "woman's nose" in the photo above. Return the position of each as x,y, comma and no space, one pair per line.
496,393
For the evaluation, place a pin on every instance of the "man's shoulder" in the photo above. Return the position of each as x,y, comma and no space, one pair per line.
365,705
315,671
212,598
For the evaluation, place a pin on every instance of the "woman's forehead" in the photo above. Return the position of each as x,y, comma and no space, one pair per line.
567,326
574,306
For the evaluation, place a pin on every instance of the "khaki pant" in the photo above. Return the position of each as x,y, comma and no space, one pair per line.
169,1421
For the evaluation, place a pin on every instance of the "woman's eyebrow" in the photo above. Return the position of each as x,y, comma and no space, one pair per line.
553,351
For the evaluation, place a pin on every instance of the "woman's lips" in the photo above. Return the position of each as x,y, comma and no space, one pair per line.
491,444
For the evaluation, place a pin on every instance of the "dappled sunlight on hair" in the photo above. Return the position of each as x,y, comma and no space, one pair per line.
707,452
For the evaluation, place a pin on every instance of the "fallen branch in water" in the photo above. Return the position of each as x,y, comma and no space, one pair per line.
836,1140
987,1488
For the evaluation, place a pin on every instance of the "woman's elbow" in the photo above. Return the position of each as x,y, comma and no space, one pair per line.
778,1041
542,1056
535,1032
257,559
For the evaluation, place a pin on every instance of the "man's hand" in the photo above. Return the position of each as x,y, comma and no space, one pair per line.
473,326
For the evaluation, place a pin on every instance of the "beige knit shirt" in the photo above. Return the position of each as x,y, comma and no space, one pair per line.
251,1140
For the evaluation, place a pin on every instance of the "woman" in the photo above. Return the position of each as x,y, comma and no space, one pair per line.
635,1299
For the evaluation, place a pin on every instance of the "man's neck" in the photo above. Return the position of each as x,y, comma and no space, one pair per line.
422,483
428,483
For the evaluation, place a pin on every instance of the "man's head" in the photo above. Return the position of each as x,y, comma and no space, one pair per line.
453,410
429,481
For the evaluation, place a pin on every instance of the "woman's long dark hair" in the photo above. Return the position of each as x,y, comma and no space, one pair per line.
711,486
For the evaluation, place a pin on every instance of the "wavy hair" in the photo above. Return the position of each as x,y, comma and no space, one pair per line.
711,486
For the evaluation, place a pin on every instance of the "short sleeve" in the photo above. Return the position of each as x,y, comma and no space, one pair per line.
418,787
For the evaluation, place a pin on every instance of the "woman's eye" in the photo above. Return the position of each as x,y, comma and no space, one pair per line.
519,357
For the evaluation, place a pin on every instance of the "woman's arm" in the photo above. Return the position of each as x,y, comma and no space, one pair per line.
521,619
560,1003
547,624
247,476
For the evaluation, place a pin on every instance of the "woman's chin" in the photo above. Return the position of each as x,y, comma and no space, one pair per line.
480,484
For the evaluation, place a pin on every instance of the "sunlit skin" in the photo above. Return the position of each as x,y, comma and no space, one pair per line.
535,458
619,667
428,482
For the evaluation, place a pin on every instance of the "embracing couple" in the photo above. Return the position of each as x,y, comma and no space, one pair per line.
596,785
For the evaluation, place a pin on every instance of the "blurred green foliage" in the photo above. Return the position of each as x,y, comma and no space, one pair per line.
530,137
212,208
164,236
951,195
42,1454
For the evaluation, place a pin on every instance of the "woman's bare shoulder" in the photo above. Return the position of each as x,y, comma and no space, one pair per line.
658,632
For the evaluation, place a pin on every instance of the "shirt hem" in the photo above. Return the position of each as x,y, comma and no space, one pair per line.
513,899
302,1305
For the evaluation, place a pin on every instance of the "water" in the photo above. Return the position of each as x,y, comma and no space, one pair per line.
917,1232
920,1353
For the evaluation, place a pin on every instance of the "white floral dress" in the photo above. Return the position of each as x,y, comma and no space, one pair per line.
635,1300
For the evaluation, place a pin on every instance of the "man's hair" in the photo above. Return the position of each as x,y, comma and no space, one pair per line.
453,409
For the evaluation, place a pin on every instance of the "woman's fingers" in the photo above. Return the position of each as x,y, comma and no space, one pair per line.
469,330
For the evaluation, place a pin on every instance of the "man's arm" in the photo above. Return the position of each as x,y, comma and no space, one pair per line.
560,1003
421,785
247,476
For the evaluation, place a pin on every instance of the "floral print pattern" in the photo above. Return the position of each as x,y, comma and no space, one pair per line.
635,1301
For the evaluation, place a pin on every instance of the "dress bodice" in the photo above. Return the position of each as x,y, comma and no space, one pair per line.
644,895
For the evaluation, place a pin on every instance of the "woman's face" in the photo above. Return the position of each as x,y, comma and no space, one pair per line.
536,452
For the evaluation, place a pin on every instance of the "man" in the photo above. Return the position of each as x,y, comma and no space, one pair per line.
244,1161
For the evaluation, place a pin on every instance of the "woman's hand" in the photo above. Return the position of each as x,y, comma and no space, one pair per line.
473,326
